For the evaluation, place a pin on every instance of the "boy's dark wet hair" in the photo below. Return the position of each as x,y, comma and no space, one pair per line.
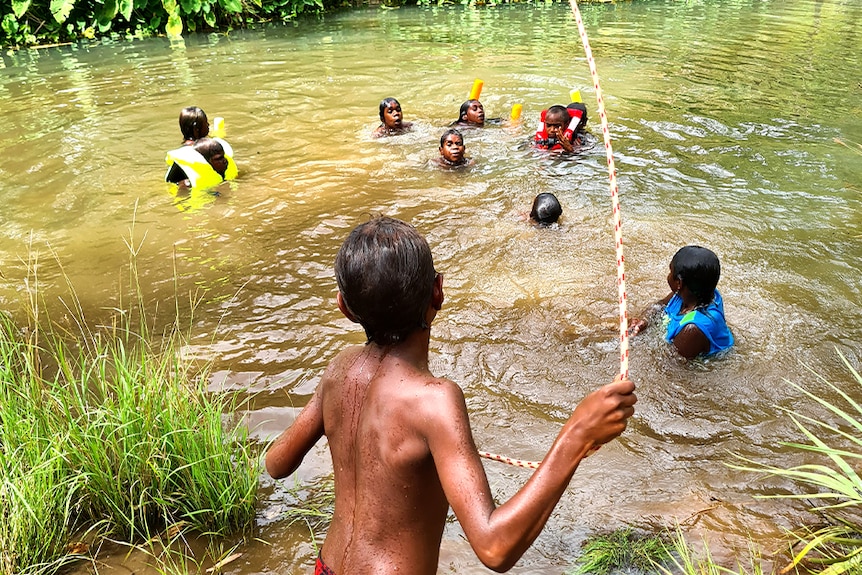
192,122
546,209
208,147
560,111
449,132
583,108
699,270
385,274
384,103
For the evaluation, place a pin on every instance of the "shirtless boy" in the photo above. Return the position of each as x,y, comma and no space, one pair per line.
400,439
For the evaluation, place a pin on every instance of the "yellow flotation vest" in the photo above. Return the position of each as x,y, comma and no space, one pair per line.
199,172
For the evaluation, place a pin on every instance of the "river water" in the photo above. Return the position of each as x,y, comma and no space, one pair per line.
724,118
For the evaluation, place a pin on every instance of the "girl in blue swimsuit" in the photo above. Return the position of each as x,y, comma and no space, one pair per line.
693,313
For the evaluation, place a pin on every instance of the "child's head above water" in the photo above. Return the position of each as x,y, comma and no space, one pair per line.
698,269
193,123
213,152
546,209
452,147
390,113
472,112
385,276
556,117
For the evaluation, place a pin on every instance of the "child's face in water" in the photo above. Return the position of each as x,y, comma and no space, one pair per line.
475,114
392,116
555,124
452,149
219,163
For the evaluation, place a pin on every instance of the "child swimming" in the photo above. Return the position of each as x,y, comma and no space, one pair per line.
186,167
693,311
472,115
391,119
546,209
201,165
561,127
452,150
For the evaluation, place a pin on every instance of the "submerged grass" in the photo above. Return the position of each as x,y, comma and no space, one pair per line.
111,434
314,506
683,559
621,550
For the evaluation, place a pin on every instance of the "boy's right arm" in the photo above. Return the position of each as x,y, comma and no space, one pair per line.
501,535
285,455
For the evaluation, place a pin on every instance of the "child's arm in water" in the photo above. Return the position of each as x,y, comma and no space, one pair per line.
285,455
501,535
689,342
647,316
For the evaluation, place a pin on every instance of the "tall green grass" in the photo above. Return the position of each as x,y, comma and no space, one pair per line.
107,432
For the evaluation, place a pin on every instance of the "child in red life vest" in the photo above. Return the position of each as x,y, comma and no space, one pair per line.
561,127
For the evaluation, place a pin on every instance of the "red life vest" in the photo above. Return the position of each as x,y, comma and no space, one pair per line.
543,141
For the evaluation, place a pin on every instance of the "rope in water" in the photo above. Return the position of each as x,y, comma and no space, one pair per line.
617,221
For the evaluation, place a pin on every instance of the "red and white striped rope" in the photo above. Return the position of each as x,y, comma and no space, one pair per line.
618,234
509,460
615,200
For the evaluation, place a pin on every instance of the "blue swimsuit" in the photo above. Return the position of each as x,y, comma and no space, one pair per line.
709,320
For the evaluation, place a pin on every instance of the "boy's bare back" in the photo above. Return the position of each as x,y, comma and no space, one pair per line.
403,452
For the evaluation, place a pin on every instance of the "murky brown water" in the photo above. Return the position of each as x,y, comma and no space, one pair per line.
723,118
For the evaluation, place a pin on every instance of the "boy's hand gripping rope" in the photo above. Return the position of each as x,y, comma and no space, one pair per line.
618,235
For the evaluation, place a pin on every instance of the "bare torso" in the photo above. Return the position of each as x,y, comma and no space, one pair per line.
390,508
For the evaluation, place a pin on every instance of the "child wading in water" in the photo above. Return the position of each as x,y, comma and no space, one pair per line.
400,439
452,150
391,119
546,209
693,311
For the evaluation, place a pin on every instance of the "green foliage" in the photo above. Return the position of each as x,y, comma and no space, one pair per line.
111,432
835,483
620,550
687,563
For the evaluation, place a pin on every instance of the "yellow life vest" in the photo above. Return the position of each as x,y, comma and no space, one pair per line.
199,172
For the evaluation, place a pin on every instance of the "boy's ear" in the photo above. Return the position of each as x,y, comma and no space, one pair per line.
437,293
342,305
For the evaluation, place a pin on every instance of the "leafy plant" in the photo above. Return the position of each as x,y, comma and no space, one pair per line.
837,547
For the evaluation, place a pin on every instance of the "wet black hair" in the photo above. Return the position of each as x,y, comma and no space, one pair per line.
449,132
546,209
209,147
698,269
385,274
583,108
192,120
384,103
462,113
558,111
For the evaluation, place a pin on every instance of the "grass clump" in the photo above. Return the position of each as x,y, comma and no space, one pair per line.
110,433
621,550
686,562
